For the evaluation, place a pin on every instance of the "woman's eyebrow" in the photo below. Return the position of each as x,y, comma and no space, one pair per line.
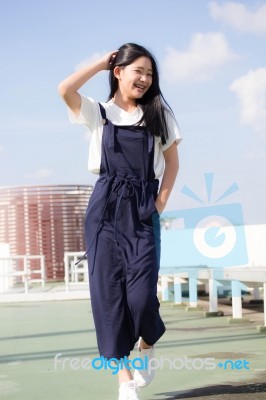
149,69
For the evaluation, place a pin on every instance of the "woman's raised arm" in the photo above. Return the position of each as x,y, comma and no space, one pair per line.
68,88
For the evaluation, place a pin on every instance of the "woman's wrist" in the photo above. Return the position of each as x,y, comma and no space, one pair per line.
160,206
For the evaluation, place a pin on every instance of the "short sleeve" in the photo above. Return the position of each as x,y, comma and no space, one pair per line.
89,113
91,117
173,131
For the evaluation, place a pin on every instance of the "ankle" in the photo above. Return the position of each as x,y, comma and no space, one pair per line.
124,380
124,376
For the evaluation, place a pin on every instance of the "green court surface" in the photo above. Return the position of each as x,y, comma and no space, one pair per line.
200,358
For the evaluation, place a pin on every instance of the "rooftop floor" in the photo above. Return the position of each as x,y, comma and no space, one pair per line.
32,333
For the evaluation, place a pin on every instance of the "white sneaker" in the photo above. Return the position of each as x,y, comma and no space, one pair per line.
128,391
143,377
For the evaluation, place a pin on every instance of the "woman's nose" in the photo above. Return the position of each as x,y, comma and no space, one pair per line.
143,78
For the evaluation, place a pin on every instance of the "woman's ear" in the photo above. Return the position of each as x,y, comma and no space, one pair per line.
117,72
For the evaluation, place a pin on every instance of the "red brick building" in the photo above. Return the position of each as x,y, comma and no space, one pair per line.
44,220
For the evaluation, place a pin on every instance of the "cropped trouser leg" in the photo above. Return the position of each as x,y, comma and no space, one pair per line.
124,292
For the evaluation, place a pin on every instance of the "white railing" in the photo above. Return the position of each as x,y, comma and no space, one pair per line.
10,273
75,275
237,277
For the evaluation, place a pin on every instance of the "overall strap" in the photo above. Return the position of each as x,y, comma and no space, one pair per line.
109,126
151,145
103,114
151,141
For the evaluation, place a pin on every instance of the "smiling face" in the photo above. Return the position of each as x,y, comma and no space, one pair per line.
135,79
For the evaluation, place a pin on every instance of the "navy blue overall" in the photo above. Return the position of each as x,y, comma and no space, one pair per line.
123,242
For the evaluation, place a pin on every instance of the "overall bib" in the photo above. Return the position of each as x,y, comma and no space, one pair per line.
122,232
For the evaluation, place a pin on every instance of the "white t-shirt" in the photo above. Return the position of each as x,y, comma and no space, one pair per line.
91,117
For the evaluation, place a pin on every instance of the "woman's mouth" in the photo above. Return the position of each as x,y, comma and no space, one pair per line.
140,87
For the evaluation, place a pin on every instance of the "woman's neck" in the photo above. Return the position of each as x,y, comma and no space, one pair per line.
126,104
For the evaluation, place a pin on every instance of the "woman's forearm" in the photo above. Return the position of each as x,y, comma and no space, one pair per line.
68,88
168,180
77,79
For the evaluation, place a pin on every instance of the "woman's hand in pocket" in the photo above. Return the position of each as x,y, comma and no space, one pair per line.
159,206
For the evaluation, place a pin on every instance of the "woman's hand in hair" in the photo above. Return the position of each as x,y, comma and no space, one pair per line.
108,59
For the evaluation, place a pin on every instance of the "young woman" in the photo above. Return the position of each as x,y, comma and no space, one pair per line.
133,144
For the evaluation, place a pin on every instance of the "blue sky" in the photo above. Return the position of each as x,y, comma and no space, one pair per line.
212,61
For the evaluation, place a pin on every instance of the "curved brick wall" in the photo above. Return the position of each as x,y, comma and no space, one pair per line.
44,220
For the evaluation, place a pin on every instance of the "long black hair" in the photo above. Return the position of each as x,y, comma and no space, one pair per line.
153,103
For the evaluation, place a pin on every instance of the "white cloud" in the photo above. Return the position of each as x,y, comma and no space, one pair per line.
40,173
252,155
251,92
89,60
239,17
206,52
1,149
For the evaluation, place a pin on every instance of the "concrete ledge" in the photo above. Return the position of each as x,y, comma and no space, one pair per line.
209,314
237,320
261,329
49,296
197,308
179,305
166,303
